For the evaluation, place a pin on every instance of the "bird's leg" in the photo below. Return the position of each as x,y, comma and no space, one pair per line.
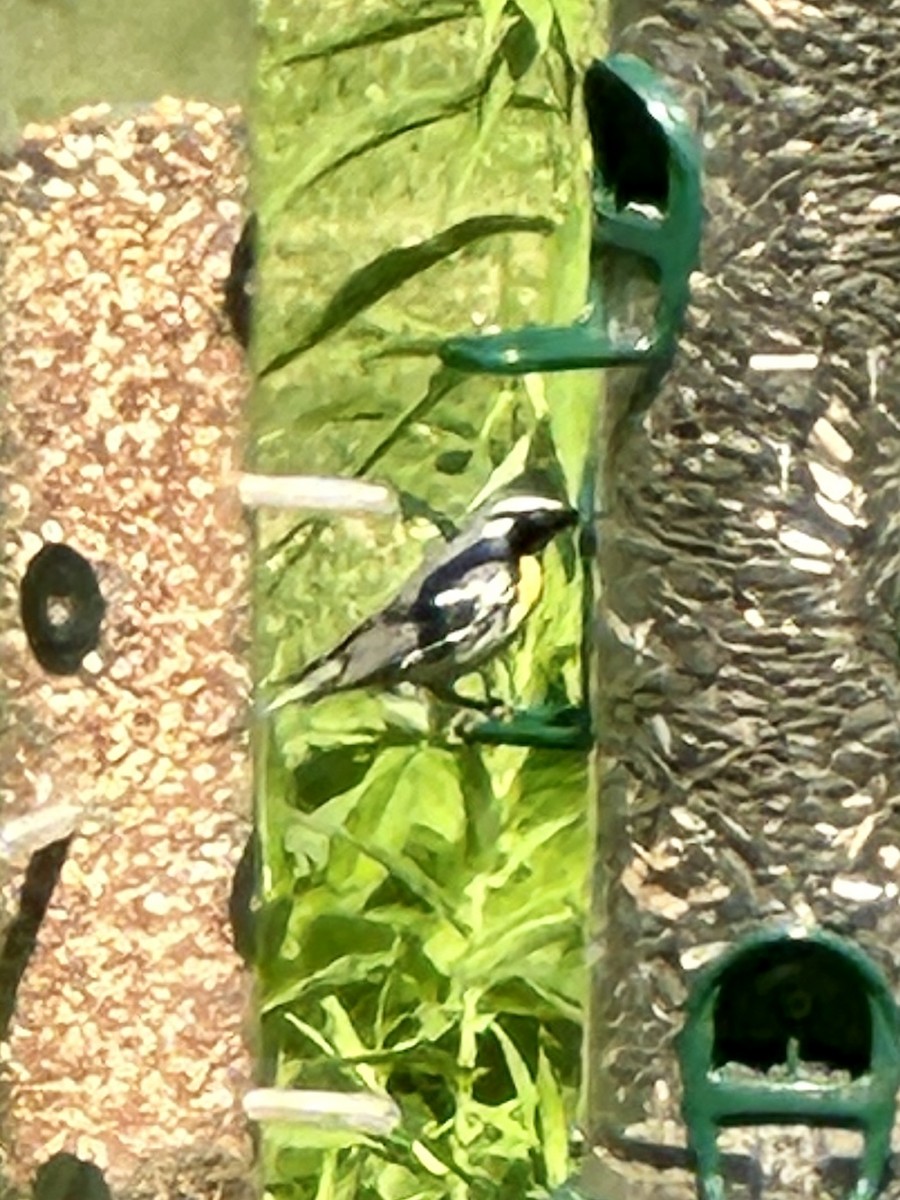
449,695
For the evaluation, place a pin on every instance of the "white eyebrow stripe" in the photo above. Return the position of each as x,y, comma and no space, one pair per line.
498,527
527,504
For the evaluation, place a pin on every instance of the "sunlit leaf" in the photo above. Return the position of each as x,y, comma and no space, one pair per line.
491,12
554,1124
540,14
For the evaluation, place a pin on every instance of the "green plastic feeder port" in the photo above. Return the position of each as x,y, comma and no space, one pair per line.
647,210
791,1030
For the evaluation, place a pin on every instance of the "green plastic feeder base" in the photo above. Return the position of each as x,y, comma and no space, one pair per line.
647,203
538,728
867,1103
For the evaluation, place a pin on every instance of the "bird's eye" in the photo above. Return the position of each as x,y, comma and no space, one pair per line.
61,608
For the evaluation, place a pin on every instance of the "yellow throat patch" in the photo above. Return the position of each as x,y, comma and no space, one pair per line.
528,590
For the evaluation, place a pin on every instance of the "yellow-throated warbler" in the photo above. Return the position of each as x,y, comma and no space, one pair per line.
450,617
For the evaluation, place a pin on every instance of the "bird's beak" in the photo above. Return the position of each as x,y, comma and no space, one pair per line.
545,524
554,520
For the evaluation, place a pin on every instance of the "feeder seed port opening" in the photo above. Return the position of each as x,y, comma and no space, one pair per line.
647,213
764,1043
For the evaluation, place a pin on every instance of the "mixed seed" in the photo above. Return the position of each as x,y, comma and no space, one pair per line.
124,553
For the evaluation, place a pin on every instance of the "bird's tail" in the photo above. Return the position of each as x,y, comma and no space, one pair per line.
319,678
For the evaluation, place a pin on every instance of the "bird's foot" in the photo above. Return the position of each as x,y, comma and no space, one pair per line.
544,728
479,704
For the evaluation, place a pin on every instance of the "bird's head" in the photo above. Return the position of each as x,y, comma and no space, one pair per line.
525,521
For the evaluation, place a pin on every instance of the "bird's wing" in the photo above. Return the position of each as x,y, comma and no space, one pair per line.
365,656
375,651
445,603
417,625
425,622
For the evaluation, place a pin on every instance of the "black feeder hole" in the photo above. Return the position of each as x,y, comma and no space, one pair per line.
631,153
242,901
61,608
65,1177
789,1001
238,287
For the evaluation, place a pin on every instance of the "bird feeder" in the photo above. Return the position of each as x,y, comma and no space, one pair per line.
744,1038
124,623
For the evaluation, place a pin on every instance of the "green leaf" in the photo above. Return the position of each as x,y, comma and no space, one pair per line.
311,1032
401,19
431,785
491,12
493,104
582,28
540,14
554,1124
392,269
508,470
372,130
384,808
524,848
526,1091
347,1042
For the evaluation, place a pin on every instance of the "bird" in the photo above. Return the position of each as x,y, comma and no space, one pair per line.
454,614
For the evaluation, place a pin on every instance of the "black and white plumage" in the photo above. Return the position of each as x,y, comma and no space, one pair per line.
461,608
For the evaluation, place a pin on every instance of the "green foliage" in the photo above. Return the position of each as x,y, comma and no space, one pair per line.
420,170
430,945
423,931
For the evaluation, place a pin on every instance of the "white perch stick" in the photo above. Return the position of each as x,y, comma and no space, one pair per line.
365,1112
21,836
315,492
